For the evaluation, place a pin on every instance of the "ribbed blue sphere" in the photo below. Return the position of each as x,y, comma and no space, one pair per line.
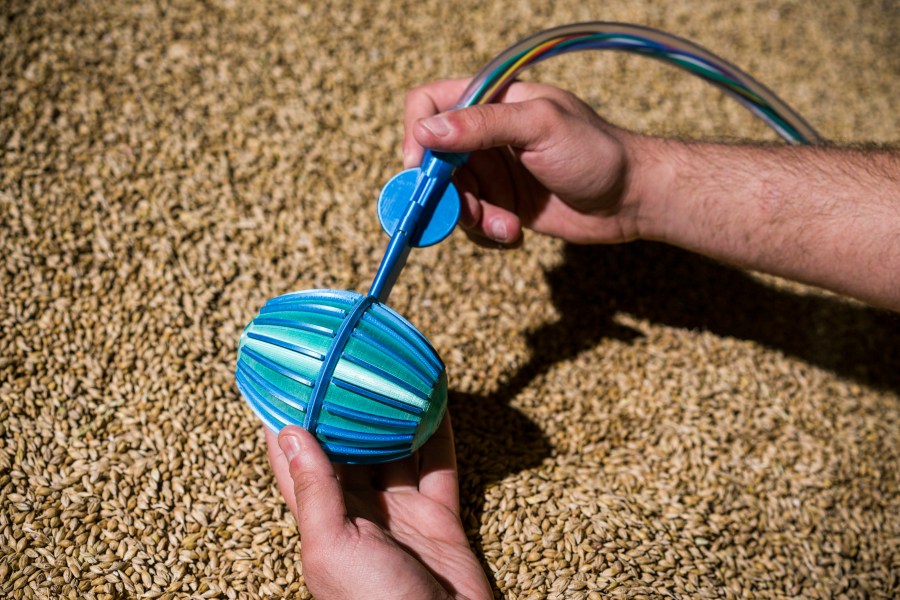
347,368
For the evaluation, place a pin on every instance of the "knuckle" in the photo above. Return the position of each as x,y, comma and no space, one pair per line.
307,490
481,118
305,487
548,110
412,95
425,93
305,483
479,121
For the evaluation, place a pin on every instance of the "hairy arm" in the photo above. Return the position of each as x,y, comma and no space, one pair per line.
825,216
544,160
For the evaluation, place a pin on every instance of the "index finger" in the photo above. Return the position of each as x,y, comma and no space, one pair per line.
424,101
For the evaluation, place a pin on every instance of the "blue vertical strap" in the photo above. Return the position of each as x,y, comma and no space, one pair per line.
332,357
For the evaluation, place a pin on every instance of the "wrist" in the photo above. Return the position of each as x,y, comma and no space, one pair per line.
651,177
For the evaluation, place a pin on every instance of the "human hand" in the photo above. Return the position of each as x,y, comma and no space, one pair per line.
541,159
390,530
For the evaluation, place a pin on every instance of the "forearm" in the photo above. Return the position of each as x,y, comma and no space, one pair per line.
824,216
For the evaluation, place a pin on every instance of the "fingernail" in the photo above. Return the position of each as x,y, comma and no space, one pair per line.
437,125
498,230
290,445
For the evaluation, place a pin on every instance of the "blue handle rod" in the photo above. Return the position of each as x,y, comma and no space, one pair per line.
433,178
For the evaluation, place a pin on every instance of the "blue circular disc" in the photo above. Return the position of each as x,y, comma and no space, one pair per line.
394,201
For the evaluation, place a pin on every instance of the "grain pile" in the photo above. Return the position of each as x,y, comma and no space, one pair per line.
630,420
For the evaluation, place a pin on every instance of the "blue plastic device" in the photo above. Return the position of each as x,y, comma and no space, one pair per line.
345,366
356,374
417,208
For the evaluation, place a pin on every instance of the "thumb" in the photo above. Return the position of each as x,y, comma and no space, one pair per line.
523,125
320,500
